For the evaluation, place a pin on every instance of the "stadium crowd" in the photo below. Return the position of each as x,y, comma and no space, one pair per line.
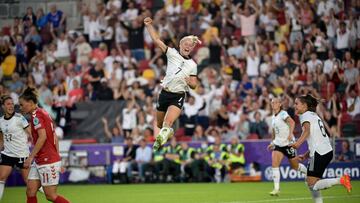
252,51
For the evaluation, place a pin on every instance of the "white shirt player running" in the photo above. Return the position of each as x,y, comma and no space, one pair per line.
318,141
15,136
177,69
281,129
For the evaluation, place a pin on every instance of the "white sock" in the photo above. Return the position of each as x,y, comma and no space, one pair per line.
302,168
316,195
41,189
276,178
2,185
326,183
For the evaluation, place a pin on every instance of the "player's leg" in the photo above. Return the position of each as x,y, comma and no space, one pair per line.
33,184
316,195
297,166
171,115
5,171
321,162
49,177
276,157
160,115
31,189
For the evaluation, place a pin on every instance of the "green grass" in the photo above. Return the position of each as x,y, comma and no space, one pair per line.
188,193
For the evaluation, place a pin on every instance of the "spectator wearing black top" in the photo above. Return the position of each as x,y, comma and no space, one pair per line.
29,19
120,166
96,74
104,92
136,39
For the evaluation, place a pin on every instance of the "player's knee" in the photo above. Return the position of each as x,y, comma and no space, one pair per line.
51,196
31,192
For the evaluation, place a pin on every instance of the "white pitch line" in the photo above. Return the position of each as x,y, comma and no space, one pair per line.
294,199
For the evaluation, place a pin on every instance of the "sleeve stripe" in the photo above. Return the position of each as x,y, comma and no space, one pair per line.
26,126
166,49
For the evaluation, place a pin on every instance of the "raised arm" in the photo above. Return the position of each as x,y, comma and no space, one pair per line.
154,35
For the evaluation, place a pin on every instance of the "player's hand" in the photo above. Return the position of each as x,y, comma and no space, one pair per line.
147,21
104,120
294,145
270,147
28,162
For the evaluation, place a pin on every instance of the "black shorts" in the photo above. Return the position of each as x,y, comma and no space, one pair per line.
12,161
289,152
318,163
167,99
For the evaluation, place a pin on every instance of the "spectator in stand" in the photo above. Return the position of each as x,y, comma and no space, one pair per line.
115,135
136,38
57,19
259,127
345,155
129,116
29,19
143,157
83,50
120,166
104,92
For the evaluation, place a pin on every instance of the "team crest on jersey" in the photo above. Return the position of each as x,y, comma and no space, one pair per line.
36,121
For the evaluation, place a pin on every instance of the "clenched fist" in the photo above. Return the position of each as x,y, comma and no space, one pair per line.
147,21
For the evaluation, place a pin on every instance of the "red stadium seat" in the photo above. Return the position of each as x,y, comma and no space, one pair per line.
252,137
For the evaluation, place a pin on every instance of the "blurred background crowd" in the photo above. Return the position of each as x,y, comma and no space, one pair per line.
252,51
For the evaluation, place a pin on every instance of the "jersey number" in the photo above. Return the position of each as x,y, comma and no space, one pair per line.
178,71
8,137
322,129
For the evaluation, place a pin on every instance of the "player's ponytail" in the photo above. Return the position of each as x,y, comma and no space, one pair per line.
310,101
30,94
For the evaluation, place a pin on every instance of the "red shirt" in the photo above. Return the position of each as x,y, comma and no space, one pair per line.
48,154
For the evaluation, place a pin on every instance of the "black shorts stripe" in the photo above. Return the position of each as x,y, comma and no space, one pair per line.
318,163
289,152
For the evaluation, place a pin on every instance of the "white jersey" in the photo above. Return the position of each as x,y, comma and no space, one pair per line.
177,69
281,129
318,141
15,136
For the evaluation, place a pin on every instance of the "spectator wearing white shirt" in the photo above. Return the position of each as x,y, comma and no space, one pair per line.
120,34
109,61
62,47
191,109
313,63
329,63
129,119
269,23
83,50
131,12
94,31
252,60
205,19
342,40
108,34
173,10
143,157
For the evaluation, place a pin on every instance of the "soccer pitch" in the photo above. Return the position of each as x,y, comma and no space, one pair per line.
188,193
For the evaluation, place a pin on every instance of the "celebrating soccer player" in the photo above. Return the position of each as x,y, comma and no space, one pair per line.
282,134
45,171
320,151
181,73
14,132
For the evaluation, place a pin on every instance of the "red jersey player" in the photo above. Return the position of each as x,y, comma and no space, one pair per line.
45,171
